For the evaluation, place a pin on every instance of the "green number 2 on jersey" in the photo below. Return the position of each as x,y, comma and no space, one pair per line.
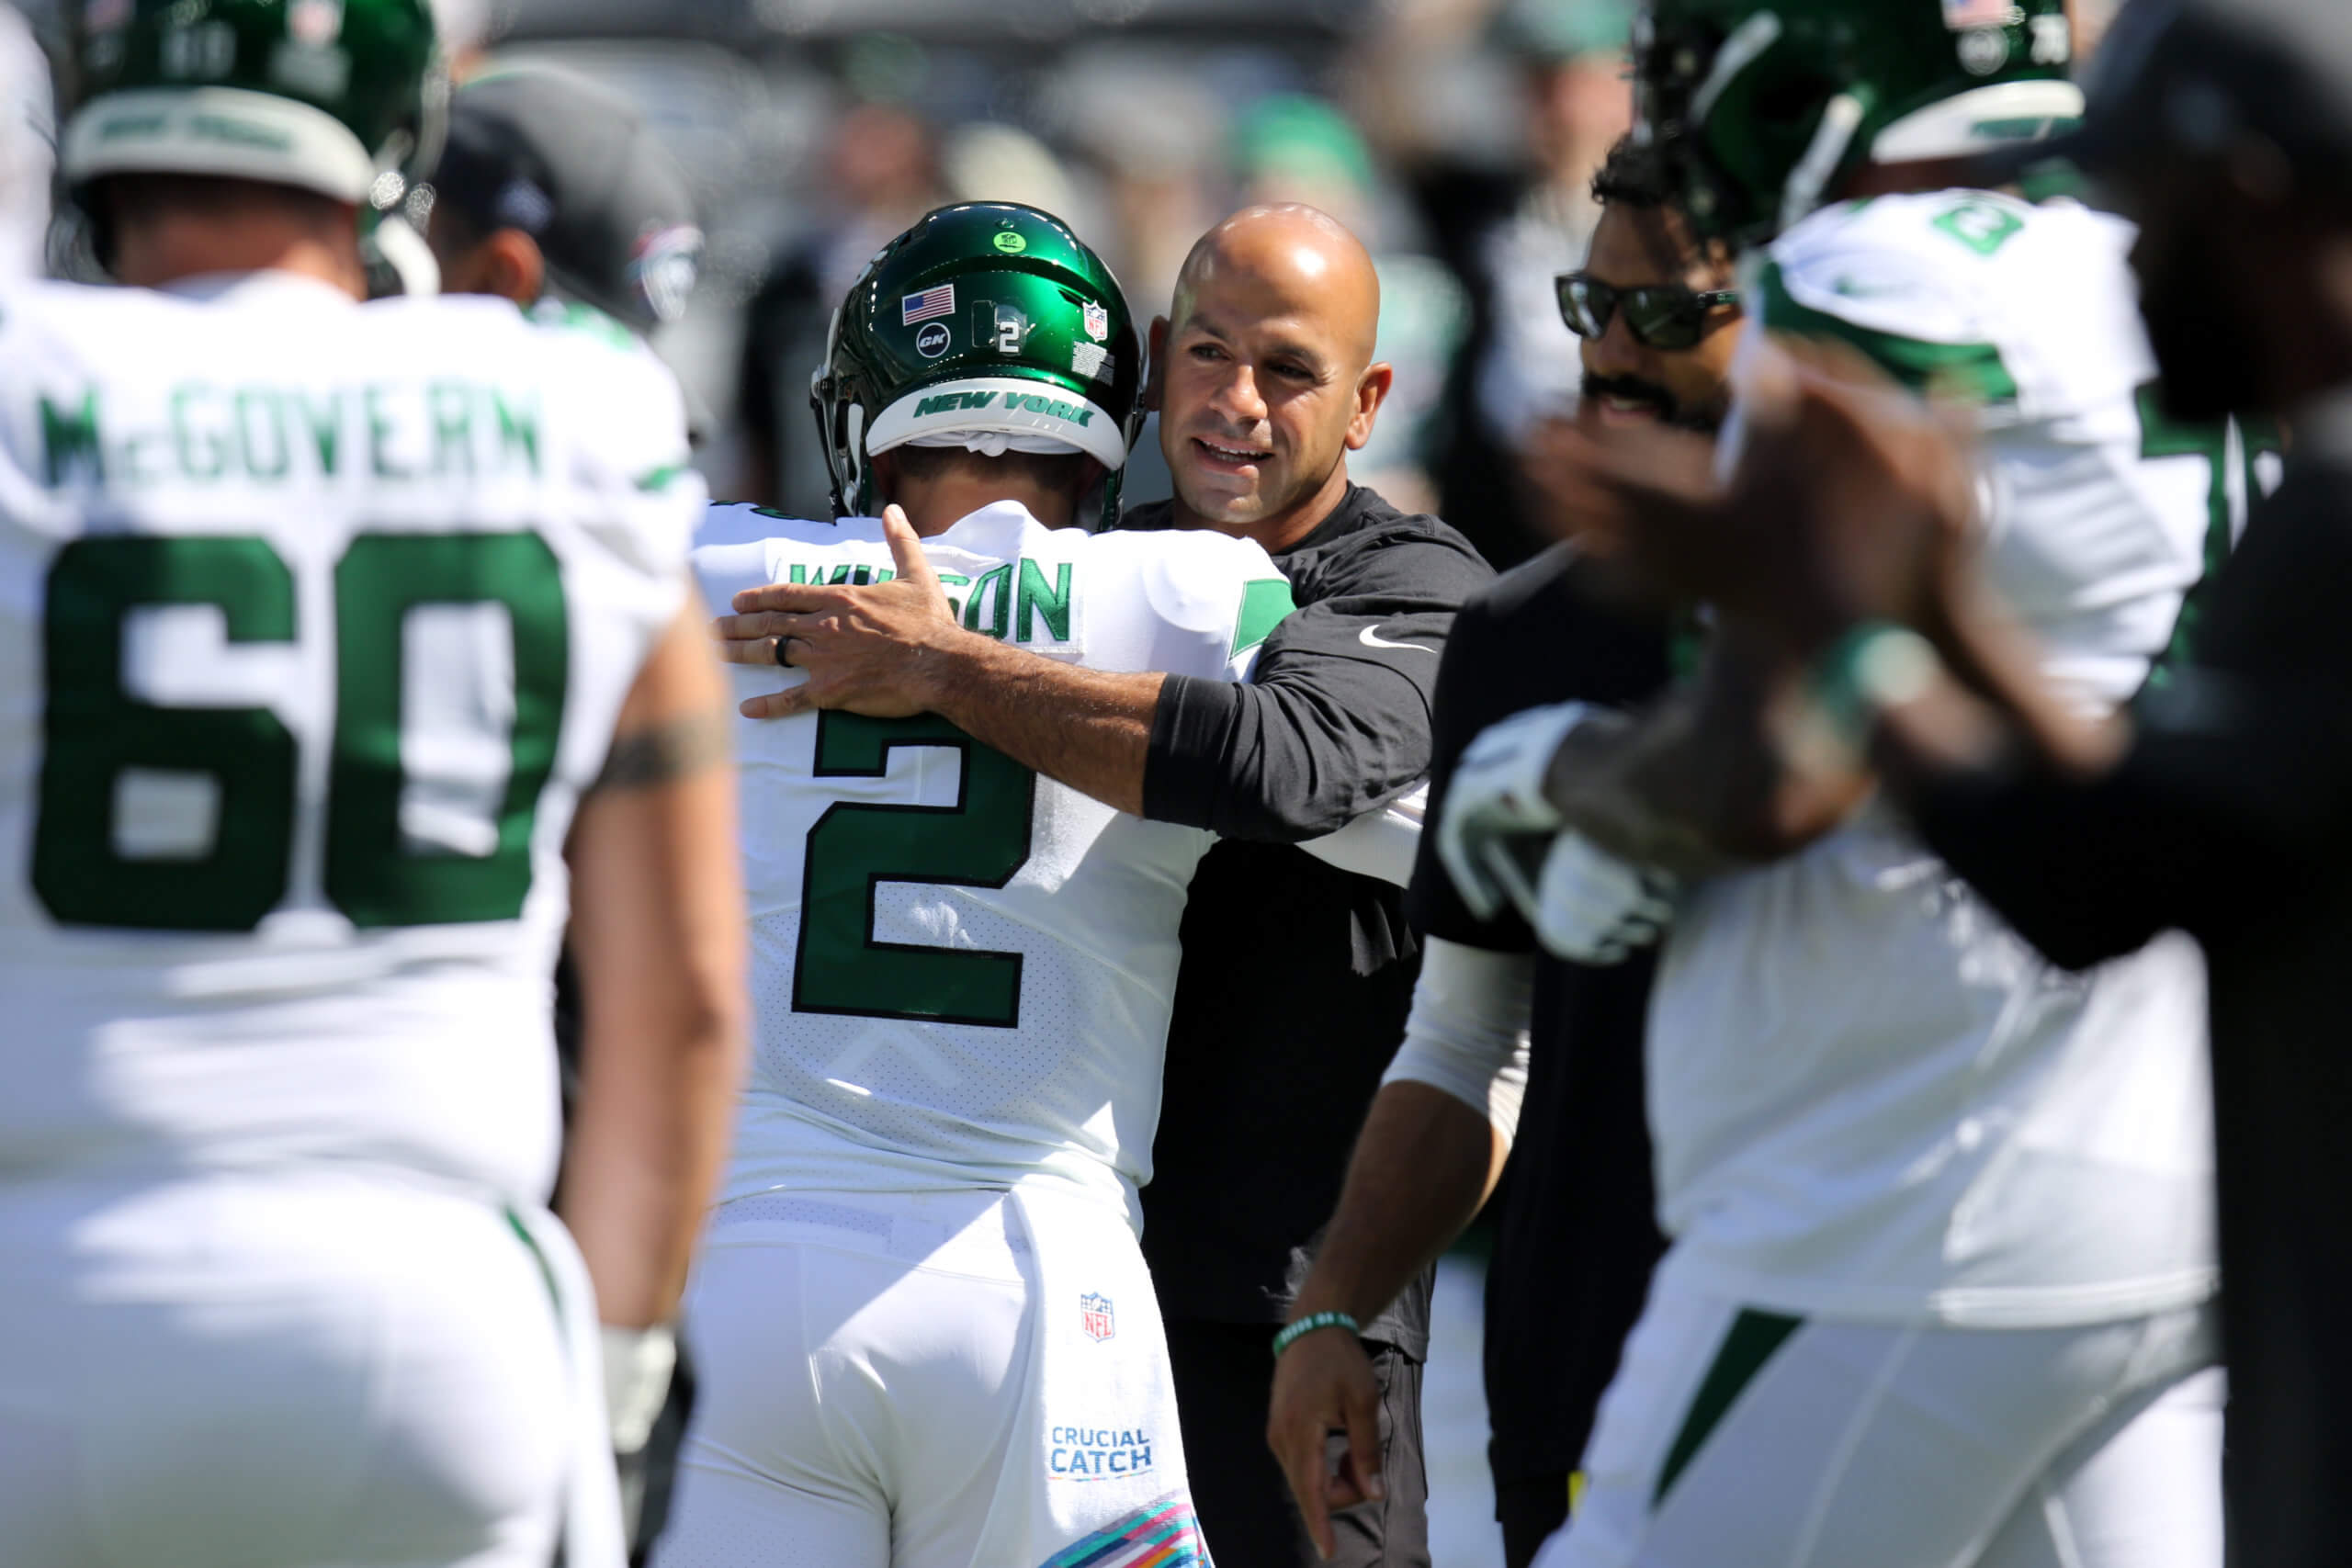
980,841
95,733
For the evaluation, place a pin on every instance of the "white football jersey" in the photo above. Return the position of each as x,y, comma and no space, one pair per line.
962,971
1871,1097
314,620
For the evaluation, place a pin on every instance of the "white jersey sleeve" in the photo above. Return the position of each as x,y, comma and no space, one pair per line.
962,971
2102,517
315,619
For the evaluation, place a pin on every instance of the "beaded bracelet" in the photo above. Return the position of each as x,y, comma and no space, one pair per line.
1309,1324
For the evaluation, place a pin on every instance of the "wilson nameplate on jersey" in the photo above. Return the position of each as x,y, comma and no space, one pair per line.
1035,603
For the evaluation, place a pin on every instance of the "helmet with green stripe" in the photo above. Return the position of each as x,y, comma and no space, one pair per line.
344,98
987,318
1772,104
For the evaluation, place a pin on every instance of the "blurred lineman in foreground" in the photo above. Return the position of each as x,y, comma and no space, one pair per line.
357,634
1297,967
1576,1236
2222,803
28,148
1940,1282
924,1330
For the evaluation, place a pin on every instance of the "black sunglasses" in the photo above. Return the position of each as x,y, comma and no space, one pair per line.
1664,315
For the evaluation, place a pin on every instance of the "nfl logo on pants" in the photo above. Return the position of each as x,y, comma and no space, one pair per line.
1094,1316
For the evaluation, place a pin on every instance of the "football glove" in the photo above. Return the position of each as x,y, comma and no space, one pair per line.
637,1365
1596,909
1495,805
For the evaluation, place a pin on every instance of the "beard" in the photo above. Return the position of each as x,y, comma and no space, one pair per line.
2198,328
1670,410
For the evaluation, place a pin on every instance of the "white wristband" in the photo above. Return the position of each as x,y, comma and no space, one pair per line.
1467,1032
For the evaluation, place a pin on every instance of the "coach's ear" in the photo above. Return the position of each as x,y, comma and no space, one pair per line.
1154,364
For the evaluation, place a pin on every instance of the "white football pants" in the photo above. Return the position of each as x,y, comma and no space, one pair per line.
1733,1437
949,1379
231,1372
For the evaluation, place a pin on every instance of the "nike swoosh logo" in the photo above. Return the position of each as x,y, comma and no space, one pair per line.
1373,639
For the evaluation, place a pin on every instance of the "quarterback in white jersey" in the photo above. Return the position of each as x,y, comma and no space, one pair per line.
328,631
919,901
924,1327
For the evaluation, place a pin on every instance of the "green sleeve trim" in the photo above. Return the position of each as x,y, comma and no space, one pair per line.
1968,372
1264,602
1749,1343
667,475
569,315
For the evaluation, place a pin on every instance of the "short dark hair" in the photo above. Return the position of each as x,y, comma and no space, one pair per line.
210,196
1634,175
1049,470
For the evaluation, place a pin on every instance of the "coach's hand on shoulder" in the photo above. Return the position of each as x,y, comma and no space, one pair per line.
872,649
1323,1383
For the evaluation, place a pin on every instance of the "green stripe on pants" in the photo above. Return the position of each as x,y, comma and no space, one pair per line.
547,1270
1752,1339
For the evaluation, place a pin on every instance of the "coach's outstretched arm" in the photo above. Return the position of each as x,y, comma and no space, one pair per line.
657,929
1330,729
1431,1149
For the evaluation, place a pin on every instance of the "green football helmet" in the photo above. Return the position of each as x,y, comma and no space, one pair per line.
344,97
1771,105
986,317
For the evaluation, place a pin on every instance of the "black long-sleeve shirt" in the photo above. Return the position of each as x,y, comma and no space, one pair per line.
1297,975
1336,719
1575,1227
2230,818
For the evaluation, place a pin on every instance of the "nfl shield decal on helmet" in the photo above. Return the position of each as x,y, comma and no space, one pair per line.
664,266
1096,319
1094,1316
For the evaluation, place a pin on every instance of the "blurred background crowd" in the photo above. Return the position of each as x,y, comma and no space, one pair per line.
1457,136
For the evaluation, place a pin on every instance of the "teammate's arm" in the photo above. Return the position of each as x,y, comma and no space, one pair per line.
1332,725
1430,1152
657,929
1703,780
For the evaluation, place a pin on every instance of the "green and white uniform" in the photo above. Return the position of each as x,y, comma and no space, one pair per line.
1941,1212
315,617
1871,1099
962,974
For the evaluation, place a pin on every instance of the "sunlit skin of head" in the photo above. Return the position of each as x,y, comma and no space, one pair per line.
1626,380
1264,375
